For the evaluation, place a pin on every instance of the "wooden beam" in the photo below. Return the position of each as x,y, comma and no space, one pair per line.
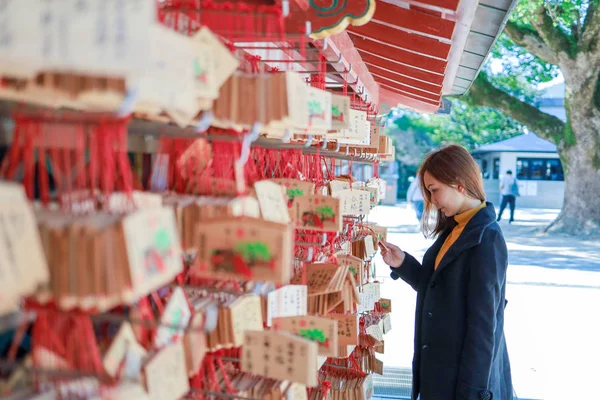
342,44
444,6
410,95
402,39
406,80
407,70
407,89
413,20
391,99
397,54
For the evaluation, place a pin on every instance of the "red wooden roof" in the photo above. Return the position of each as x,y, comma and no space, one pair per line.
406,46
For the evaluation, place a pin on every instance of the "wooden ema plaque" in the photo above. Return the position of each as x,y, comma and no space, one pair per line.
317,213
347,328
244,248
295,188
174,320
318,329
340,112
153,249
166,374
380,232
273,202
354,201
288,301
280,355
356,267
124,349
23,266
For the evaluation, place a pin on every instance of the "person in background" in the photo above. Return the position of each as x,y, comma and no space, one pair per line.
460,348
509,189
415,196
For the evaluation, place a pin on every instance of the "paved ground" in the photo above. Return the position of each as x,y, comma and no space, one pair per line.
553,316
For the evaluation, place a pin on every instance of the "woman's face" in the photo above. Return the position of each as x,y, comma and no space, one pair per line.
446,199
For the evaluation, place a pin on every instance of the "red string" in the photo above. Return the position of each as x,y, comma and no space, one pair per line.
93,154
56,172
28,161
10,163
42,170
79,148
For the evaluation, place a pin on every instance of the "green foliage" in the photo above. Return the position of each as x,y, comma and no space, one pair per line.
516,71
415,135
564,13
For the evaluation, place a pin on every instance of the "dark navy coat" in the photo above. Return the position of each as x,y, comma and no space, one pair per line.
460,351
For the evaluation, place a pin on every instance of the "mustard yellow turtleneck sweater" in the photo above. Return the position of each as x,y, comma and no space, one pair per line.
462,220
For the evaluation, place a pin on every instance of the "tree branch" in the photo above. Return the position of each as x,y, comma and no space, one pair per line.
483,93
530,40
557,40
591,27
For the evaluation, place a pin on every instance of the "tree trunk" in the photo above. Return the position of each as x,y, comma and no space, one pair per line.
578,142
580,154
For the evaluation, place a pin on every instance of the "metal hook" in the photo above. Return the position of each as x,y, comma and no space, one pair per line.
308,141
339,60
247,142
337,149
324,146
129,102
205,122
355,82
285,8
310,254
324,241
286,136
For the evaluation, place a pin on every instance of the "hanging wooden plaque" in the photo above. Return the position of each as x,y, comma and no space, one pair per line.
280,355
318,329
153,249
295,188
244,248
318,213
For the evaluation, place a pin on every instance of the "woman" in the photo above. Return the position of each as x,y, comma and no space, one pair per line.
460,351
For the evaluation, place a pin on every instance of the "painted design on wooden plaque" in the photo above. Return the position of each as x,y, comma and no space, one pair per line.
319,213
245,248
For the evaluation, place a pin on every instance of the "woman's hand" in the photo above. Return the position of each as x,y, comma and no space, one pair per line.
392,255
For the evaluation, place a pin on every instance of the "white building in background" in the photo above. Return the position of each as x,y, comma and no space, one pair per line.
532,160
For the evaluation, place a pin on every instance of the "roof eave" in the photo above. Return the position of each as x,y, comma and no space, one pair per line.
459,75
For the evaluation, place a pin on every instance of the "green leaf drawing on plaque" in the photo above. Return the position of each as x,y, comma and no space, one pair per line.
316,335
294,193
253,251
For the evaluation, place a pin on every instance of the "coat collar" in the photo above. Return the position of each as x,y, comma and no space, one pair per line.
470,237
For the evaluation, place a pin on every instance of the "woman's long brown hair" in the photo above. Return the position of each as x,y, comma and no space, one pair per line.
453,166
